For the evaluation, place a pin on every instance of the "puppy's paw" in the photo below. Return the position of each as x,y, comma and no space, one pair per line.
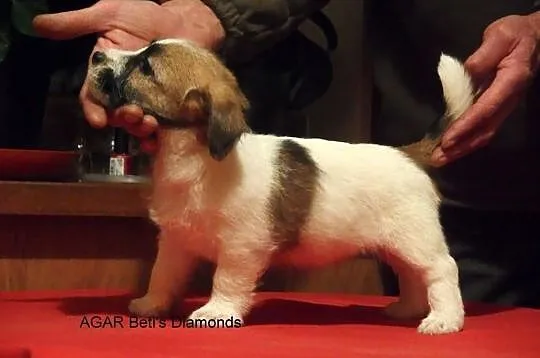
404,310
439,324
218,316
148,307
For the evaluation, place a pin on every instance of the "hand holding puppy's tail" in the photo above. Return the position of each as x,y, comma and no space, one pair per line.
459,95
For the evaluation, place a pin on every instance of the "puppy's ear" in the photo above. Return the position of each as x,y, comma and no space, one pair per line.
196,105
222,108
226,122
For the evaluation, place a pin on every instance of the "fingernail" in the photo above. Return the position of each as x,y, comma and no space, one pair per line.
454,152
131,118
97,122
449,143
452,155
439,157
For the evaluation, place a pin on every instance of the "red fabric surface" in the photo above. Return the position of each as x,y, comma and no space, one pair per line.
47,325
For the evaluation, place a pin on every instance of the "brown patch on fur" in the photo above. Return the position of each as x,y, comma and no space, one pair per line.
195,106
294,188
227,120
177,69
420,152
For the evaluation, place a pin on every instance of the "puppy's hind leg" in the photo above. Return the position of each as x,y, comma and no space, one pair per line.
413,300
428,277
170,274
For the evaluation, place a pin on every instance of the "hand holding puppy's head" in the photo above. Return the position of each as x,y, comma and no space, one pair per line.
185,87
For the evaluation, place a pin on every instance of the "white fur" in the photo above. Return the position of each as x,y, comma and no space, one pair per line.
370,198
118,58
457,86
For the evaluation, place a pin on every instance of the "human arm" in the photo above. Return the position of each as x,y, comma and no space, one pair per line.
239,29
503,66
253,27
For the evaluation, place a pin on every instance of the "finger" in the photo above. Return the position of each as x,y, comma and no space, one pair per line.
102,44
438,158
149,125
93,112
144,129
72,24
149,145
125,40
127,115
484,62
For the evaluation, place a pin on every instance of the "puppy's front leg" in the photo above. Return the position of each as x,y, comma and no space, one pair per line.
170,275
234,281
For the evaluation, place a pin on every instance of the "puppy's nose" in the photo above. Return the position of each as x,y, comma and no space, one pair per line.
98,57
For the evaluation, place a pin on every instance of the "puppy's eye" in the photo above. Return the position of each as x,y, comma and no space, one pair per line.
145,68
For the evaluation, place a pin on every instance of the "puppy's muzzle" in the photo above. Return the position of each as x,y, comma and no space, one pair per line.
109,85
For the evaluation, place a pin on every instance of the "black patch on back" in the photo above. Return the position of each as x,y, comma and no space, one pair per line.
293,189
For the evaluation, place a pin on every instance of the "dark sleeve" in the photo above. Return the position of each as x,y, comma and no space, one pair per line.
253,26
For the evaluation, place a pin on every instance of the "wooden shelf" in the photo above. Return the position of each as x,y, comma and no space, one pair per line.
73,199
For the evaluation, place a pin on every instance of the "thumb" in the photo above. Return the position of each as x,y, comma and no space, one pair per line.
72,24
483,63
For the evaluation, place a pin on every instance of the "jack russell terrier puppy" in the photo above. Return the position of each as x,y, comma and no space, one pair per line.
246,201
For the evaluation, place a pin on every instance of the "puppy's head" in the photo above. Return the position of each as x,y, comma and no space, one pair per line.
182,85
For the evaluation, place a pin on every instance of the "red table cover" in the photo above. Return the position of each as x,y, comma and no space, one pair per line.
48,325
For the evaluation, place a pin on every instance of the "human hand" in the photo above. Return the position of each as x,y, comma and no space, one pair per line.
504,65
130,25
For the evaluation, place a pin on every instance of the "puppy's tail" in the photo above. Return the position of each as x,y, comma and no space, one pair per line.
459,95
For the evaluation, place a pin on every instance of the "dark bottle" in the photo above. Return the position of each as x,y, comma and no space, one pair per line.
120,159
